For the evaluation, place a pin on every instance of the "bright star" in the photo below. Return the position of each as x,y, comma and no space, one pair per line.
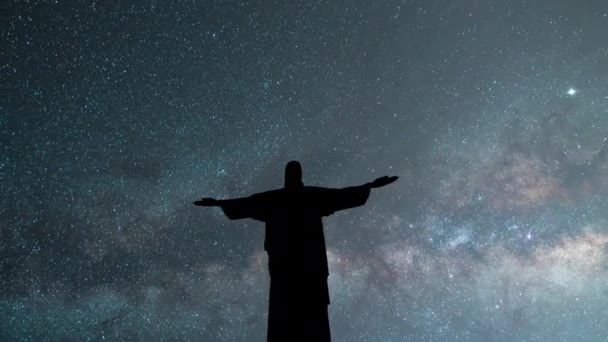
572,91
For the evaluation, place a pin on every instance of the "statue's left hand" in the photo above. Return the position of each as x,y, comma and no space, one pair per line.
382,181
207,202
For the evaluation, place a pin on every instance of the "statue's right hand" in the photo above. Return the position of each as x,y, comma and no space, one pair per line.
382,181
207,202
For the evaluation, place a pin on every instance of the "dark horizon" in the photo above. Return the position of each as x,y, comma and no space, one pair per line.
117,114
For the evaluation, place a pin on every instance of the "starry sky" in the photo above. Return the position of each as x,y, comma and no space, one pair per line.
116,115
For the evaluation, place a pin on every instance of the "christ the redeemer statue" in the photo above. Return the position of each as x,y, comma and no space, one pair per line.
297,258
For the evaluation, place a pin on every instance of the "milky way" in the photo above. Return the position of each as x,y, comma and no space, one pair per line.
116,115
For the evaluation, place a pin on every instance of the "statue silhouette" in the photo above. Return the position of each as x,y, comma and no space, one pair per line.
297,258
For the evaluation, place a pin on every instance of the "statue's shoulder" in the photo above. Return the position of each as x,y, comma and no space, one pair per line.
283,193
315,189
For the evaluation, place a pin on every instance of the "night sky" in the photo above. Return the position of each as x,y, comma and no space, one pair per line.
116,115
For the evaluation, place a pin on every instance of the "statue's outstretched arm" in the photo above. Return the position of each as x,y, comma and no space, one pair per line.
238,208
380,182
207,202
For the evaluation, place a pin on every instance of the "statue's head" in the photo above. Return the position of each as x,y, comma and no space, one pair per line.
293,175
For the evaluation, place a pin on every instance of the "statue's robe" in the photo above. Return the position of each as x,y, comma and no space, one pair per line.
297,256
